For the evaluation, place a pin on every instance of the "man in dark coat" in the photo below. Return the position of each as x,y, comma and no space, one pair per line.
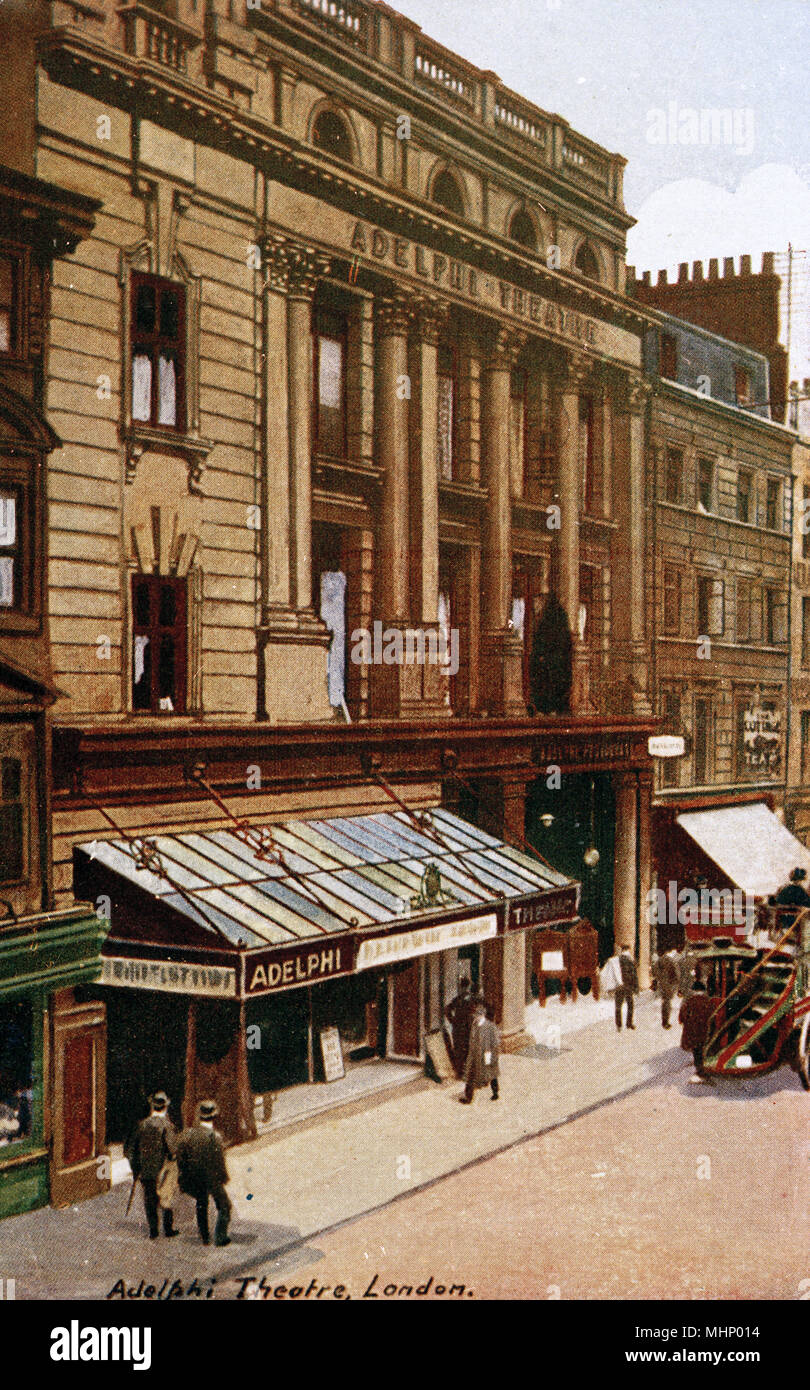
794,893
459,1015
666,979
153,1144
203,1174
482,1057
695,1012
628,989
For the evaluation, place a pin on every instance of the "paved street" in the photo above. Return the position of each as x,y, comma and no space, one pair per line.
624,1194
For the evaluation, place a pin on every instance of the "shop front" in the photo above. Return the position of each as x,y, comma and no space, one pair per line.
286,957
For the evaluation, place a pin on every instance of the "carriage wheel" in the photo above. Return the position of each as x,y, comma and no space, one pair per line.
804,1053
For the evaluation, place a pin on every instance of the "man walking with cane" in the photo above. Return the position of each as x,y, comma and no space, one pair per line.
150,1148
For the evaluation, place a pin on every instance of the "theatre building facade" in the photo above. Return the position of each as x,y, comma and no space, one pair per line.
345,371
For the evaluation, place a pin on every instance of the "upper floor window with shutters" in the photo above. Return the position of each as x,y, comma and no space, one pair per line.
673,476
446,383
158,343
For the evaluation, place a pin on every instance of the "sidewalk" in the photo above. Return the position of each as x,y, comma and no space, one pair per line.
286,1188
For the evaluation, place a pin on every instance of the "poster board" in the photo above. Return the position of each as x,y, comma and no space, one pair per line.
439,1056
332,1053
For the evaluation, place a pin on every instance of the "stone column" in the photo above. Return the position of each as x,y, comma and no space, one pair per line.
571,501
276,596
637,396
625,907
501,648
304,267
391,404
645,795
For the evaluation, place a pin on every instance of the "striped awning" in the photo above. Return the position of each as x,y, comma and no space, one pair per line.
306,879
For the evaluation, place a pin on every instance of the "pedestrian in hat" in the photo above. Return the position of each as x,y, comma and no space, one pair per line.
666,983
150,1148
628,989
459,1014
482,1055
203,1173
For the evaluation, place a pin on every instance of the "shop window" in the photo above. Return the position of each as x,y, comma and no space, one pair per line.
12,823
805,745
672,599
745,495
447,193
330,384
706,484
702,741
446,427
773,520
330,134
9,285
742,385
710,606
806,632
673,476
775,617
159,644
669,357
586,263
586,452
158,346
521,230
16,1071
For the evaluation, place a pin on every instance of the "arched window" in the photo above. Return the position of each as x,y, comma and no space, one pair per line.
330,134
586,262
447,193
521,230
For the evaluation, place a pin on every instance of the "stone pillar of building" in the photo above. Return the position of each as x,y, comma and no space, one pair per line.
577,374
637,395
645,875
292,642
625,869
501,647
503,813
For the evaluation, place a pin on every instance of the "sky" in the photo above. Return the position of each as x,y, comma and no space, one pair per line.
635,75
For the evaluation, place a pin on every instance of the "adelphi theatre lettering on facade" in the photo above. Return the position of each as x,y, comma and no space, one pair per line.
266,972
447,273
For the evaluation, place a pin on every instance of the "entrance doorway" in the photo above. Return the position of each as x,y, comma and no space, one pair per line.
570,822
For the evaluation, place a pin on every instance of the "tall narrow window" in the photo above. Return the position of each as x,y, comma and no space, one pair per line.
586,452
12,846
805,745
16,1069
775,617
710,606
446,413
10,547
672,599
9,279
702,750
159,644
773,520
673,476
742,385
330,384
669,357
706,484
671,710
745,491
158,343
806,632
805,522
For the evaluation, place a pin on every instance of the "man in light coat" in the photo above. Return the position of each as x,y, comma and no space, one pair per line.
482,1057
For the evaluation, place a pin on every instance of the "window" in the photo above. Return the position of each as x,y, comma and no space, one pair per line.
16,1070
447,194
749,611
159,644
710,606
745,498
11,523
702,750
330,384
775,617
158,339
9,280
671,711
805,745
12,831
446,384
586,452
773,521
521,230
330,134
806,632
742,385
672,599
586,263
669,357
805,522
706,484
673,475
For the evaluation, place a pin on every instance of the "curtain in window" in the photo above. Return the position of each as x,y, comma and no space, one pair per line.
8,520
141,387
333,613
167,392
518,617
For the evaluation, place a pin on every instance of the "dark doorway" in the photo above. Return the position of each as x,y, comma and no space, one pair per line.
563,825
146,1052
